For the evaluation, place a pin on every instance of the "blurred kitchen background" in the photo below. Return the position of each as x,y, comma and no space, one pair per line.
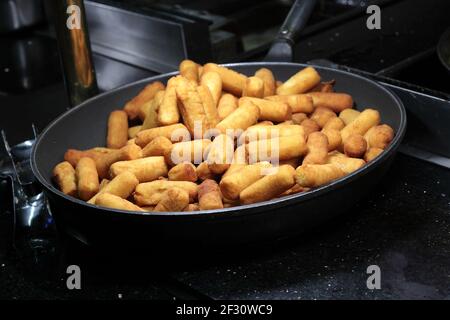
135,39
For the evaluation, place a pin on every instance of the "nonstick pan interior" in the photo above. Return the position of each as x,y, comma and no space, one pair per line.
85,126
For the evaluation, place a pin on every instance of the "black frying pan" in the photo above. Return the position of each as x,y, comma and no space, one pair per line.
85,126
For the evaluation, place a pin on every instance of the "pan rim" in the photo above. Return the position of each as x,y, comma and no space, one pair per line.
440,49
248,209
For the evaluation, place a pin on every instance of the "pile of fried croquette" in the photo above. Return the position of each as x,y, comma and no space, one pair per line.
317,134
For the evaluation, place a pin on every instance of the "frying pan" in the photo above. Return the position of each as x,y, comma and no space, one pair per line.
85,126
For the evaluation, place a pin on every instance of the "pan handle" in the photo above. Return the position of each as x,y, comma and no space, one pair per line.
281,49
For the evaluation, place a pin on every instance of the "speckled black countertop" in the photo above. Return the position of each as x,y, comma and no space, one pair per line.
403,227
